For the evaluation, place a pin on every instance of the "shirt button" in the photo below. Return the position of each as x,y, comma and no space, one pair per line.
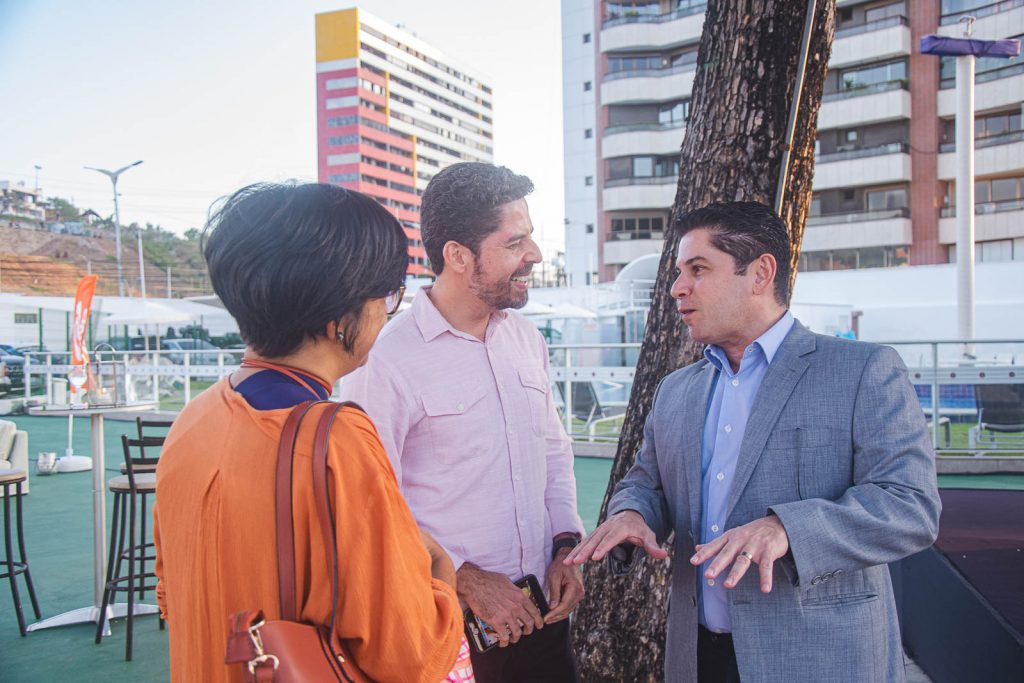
460,407
735,382
711,582
720,476
714,527
728,429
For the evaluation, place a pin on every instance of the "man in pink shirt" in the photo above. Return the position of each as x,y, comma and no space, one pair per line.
459,391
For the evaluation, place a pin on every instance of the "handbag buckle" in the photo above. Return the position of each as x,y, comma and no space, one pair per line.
257,643
262,659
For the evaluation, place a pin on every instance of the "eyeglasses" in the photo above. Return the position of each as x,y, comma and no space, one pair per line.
394,299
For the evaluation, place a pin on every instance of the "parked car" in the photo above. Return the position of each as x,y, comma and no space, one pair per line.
5,381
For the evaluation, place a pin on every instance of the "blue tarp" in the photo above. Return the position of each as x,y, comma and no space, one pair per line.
946,46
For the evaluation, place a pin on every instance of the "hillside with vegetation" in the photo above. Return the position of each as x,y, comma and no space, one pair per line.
46,259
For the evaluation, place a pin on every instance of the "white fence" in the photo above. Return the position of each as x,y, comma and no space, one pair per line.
596,380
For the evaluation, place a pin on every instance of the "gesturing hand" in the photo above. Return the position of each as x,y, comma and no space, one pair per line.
760,542
565,588
499,602
626,526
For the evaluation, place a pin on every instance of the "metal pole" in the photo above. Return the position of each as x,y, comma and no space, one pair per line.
935,396
142,267
794,106
965,197
117,238
168,282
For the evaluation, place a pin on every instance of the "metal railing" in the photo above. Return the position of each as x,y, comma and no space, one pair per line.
989,141
651,126
686,9
876,25
982,208
595,380
860,91
687,62
863,152
858,216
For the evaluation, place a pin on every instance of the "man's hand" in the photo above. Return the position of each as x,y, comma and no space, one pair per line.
499,602
565,587
626,526
760,542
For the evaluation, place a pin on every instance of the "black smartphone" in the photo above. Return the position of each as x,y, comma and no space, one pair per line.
481,635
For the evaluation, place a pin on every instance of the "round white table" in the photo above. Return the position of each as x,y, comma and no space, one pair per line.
91,613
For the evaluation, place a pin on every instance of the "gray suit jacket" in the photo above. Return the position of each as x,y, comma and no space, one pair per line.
837,446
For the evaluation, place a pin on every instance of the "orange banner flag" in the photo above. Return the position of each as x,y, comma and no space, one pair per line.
83,304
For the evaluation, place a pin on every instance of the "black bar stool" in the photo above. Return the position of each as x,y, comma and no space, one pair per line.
11,481
129,544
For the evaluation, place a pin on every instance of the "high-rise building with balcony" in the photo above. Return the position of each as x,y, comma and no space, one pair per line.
883,182
392,111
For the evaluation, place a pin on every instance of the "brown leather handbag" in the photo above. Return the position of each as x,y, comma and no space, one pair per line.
287,650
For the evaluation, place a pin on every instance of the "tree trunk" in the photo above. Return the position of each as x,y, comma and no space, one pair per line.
732,151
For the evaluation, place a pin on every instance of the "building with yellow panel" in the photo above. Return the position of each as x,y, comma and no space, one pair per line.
391,112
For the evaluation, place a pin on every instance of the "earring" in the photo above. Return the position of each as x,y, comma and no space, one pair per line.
341,336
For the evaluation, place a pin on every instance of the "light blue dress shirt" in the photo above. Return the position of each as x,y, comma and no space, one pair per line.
729,405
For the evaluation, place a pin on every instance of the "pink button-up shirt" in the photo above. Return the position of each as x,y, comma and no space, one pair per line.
473,435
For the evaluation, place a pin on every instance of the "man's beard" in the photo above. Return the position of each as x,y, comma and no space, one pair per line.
498,294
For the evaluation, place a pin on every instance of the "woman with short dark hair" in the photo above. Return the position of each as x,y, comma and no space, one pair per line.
310,273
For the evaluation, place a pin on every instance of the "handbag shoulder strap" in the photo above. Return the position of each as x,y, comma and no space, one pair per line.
287,588
323,496
283,511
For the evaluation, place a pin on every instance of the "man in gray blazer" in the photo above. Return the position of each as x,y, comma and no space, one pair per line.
791,467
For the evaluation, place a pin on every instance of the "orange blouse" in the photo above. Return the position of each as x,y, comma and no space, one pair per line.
216,549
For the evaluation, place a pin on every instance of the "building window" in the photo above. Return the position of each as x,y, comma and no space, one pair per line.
587,85
674,113
589,180
866,76
588,133
883,200
590,228
586,37
26,318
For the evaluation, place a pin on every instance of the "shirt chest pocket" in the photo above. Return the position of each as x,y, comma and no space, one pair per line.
455,420
535,387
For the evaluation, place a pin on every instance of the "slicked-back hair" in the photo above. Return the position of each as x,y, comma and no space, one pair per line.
287,259
462,204
745,231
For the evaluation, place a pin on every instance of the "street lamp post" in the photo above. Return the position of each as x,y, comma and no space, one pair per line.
113,175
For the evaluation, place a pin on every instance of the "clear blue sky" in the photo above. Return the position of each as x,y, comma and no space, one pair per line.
214,95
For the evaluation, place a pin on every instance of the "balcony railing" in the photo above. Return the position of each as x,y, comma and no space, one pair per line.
687,62
636,127
646,180
625,235
901,84
990,141
876,25
685,9
981,208
858,216
987,76
889,148
979,12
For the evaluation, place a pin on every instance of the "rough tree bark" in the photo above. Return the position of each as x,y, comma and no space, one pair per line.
747,67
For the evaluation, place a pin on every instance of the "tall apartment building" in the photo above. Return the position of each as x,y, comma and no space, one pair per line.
391,112
883,182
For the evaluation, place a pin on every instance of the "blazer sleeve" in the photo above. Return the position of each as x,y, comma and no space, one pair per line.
641,490
892,509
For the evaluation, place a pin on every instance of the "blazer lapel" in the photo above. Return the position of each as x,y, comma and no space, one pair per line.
695,406
779,381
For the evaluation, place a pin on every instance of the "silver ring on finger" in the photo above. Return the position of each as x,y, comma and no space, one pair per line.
744,553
